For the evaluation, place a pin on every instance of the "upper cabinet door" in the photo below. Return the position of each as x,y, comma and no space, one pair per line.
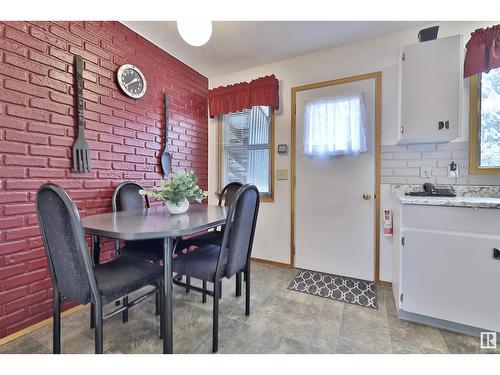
430,85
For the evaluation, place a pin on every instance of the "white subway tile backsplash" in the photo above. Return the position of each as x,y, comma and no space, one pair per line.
452,181
452,146
397,164
436,155
422,163
401,164
406,171
393,148
407,155
460,154
422,147
440,172
393,180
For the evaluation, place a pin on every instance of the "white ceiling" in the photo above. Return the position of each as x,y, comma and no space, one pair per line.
240,45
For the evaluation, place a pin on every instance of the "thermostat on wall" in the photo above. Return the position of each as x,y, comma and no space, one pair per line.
282,149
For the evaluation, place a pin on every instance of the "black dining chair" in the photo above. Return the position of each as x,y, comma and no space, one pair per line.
75,277
126,197
226,197
211,263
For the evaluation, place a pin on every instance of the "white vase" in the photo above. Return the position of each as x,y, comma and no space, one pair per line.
177,208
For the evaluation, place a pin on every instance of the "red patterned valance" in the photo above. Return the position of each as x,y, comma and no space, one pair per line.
244,95
483,51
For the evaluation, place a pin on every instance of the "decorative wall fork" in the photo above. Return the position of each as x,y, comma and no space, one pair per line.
81,153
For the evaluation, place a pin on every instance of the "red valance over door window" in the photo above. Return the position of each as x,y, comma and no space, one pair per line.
244,95
483,51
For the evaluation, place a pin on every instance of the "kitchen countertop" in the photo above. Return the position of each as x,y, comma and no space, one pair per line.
475,202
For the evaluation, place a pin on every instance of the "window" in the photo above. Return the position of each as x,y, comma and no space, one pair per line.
246,143
485,123
335,126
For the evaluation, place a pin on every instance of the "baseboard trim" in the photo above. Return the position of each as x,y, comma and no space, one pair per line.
443,324
38,325
386,284
272,262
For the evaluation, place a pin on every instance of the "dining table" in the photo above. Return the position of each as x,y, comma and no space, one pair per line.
154,223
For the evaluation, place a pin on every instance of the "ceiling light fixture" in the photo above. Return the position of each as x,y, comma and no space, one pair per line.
195,32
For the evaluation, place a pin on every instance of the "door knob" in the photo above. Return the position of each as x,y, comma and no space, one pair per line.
367,196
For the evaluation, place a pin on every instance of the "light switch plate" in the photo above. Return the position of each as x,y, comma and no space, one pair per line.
282,174
426,172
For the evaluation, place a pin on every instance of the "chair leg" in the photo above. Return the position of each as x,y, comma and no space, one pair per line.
157,303
204,294
125,313
98,329
238,284
92,315
247,291
56,333
215,326
188,283
220,289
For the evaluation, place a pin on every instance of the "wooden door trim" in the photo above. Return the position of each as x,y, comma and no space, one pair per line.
377,76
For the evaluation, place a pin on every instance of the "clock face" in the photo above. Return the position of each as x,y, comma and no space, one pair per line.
131,81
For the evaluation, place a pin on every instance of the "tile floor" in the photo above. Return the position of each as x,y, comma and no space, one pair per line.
281,321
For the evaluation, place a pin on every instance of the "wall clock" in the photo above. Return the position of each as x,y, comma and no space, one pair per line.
131,81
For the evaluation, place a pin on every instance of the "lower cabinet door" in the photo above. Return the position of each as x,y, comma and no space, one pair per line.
452,276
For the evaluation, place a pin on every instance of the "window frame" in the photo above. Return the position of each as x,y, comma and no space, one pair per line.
475,128
263,198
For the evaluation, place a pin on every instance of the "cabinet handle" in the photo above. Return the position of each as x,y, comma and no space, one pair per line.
402,130
496,254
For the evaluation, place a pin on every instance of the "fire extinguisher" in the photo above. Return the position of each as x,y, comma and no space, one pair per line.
387,222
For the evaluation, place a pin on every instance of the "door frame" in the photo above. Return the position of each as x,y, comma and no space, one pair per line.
377,76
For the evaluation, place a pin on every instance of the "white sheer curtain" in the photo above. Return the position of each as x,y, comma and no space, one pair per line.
335,125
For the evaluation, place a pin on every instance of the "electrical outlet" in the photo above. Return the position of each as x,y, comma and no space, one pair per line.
453,170
426,172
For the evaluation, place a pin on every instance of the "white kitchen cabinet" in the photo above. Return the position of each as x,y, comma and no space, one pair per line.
444,266
430,89
452,276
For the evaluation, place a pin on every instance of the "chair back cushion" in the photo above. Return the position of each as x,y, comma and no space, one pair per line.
241,224
228,193
63,239
126,197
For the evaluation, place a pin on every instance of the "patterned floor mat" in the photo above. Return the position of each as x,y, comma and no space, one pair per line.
340,288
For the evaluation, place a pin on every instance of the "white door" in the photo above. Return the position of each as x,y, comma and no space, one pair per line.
334,224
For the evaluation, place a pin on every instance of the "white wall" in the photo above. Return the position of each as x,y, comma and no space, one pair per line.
380,54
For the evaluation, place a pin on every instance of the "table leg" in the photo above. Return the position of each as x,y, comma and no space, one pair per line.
96,249
96,253
167,275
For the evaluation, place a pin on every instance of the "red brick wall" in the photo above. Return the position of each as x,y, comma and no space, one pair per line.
37,130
